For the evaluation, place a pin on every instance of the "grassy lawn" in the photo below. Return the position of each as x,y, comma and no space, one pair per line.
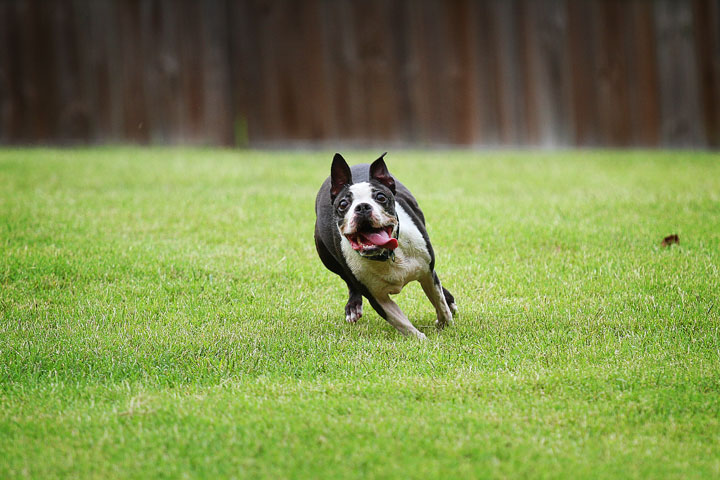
163,313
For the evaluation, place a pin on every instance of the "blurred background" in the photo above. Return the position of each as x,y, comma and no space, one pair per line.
257,73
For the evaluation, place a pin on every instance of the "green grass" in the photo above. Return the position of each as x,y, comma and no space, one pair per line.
164,314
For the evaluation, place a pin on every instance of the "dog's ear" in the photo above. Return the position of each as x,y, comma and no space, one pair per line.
379,172
340,175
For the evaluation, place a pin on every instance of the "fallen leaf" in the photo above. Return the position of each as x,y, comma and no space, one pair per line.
670,239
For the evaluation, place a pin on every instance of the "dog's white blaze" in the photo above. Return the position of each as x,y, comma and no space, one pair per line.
412,260
362,193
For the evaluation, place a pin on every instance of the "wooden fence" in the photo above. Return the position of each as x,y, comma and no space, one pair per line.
421,72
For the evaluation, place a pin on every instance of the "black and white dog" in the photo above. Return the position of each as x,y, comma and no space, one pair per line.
371,231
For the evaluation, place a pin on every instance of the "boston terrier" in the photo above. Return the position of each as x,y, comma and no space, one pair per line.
371,232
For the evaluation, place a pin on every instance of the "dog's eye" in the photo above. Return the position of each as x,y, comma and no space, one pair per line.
380,197
343,205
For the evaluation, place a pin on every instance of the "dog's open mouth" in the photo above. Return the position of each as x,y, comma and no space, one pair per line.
373,238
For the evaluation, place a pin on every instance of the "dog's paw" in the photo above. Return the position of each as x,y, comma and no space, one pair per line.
444,320
353,311
445,317
453,308
418,335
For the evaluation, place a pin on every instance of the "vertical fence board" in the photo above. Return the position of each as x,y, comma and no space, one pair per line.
109,71
375,70
192,78
613,99
512,111
246,83
581,44
646,110
442,74
464,72
216,126
11,78
678,74
131,59
423,76
488,105
706,20
548,24
402,71
82,114
94,65
529,38
156,122
40,88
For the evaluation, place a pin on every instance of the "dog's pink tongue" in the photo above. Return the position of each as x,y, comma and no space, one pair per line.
381,239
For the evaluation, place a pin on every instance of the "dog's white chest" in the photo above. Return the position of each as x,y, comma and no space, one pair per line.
412,260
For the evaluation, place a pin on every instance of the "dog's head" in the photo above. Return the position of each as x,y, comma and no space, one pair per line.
365,212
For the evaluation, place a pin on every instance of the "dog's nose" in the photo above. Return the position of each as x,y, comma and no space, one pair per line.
363,209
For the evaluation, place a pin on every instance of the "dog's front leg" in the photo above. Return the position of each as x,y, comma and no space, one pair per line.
434,291
390,311
354,307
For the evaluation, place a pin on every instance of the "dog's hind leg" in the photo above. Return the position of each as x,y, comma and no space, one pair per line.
437,295
390,311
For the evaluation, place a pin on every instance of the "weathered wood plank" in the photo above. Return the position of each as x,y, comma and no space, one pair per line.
706,22
646,110
582,40
677,63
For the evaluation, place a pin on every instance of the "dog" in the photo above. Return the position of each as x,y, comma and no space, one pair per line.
370,231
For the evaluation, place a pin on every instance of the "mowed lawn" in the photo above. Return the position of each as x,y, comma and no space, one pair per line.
164,315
